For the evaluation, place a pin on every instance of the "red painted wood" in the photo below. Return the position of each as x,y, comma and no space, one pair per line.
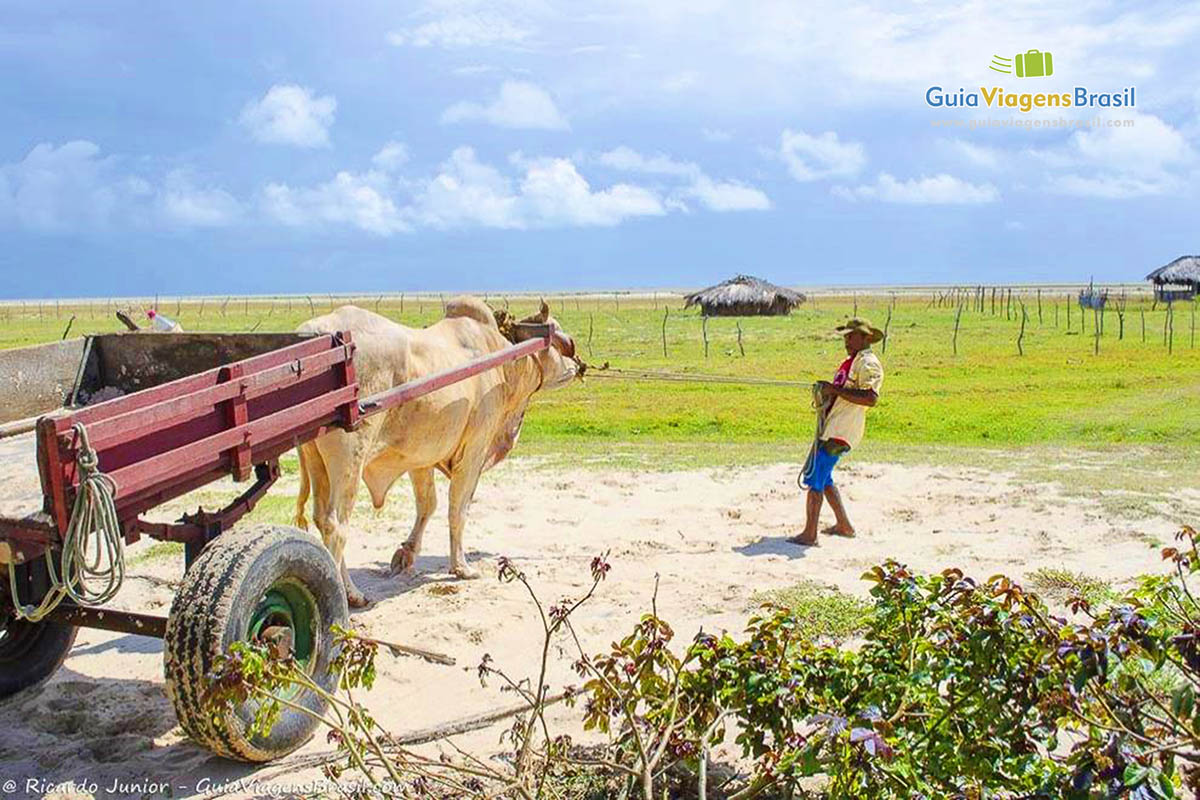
237,417
209,451
105,432
183,386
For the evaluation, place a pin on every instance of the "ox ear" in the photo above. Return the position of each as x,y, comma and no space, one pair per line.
541,317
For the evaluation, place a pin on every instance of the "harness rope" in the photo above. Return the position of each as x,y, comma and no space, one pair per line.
606,371
93,524
818,402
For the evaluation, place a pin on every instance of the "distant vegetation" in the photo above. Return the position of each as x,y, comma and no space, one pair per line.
1059,392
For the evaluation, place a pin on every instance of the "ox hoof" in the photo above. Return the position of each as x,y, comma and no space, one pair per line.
465,572
403,559
356,599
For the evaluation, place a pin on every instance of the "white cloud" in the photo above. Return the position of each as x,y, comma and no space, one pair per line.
715,195
1108,187
975,154
62,188
185,204
360,201
729,195
467,192
462,30
463,192
811,158
72,188
290,114
391,156
520,104
681,81
556,193
716,134
627,159
1115,161
939,189
474,69
551,193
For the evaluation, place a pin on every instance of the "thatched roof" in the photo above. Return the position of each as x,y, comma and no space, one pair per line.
744,295
1183,270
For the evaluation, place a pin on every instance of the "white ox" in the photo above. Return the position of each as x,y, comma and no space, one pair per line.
462,429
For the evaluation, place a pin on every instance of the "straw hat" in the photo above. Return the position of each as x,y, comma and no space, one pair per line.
863,326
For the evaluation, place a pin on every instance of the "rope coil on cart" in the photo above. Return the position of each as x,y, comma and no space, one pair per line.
94,525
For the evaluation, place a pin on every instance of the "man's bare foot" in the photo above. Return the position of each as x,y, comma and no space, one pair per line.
801,539
837,530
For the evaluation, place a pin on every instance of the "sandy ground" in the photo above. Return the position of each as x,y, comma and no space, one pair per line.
714,537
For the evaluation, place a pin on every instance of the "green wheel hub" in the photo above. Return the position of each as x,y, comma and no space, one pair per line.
288,604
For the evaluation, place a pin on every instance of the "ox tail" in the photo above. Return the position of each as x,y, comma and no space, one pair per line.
301,521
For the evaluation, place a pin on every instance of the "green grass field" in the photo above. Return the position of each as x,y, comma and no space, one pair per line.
1060,392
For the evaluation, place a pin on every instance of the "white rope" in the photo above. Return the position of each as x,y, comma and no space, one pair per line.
94,525
683,377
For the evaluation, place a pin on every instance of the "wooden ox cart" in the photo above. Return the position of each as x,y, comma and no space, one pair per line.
140,419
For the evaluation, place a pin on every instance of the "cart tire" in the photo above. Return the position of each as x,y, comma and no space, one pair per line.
242,582
30,652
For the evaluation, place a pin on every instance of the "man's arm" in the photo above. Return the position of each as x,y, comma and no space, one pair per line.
860,397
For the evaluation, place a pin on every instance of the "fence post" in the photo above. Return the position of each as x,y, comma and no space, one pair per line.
886,326
1039,306
704,333
742,350
1021,335
666,313
957,317
589,341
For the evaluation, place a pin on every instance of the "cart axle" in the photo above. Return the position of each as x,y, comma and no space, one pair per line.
107,619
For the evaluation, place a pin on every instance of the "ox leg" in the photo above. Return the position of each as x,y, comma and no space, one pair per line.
462,490
426,498
343,471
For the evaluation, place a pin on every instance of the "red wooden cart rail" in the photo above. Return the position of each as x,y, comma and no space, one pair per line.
160,443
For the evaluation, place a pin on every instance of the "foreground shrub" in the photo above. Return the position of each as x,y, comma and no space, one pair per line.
957,689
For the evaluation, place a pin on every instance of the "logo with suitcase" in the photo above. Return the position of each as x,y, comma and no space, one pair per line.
1030,64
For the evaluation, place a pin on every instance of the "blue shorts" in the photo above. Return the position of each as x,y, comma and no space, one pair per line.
820,476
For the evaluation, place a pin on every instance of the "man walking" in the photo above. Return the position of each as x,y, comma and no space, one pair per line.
854,389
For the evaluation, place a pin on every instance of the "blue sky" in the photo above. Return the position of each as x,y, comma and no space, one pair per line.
276,147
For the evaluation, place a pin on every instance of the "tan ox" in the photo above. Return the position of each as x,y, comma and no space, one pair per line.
462,429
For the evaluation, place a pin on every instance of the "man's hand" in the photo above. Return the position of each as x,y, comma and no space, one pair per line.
828,390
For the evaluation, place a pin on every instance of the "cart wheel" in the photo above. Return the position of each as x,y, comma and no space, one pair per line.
241,585
30,652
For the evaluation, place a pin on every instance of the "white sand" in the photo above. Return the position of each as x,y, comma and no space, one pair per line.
713,536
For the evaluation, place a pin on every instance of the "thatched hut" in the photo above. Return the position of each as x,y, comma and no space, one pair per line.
1179,280
744,296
